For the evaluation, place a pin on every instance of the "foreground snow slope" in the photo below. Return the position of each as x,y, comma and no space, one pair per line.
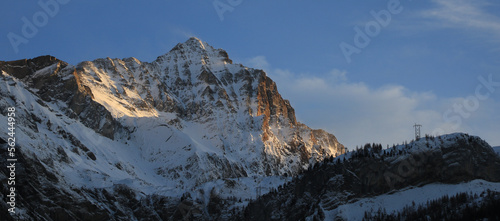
410,196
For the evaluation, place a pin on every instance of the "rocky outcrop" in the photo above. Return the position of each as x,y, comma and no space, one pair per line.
54,80
272,106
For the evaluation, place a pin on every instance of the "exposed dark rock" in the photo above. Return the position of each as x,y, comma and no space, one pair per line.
56,80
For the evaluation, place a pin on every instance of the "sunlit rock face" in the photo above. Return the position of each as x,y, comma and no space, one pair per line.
163,128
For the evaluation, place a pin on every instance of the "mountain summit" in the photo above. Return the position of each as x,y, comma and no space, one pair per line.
228,111
180,124
195,49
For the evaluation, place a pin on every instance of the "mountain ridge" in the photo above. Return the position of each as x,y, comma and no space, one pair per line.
331,189
181,124
193,136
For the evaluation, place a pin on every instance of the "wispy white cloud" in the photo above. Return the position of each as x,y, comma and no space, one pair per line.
259,62
464,14
182,32
338,75
357,113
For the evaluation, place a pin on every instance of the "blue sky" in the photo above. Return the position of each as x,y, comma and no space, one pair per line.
421,65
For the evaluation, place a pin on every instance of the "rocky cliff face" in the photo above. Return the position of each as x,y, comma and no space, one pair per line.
53,80
237,108
180,124
371,172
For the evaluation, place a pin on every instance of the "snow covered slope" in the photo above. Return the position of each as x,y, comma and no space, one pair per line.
186,121
349,185
197,115
411,197
497,149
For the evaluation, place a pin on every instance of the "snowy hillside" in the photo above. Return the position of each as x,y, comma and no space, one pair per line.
395,202
184,123
373,178
216,112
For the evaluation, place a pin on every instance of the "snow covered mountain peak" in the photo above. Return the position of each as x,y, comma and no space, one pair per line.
196,52
187,119
193,43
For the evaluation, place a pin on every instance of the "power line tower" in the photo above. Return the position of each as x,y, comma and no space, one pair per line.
417,131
